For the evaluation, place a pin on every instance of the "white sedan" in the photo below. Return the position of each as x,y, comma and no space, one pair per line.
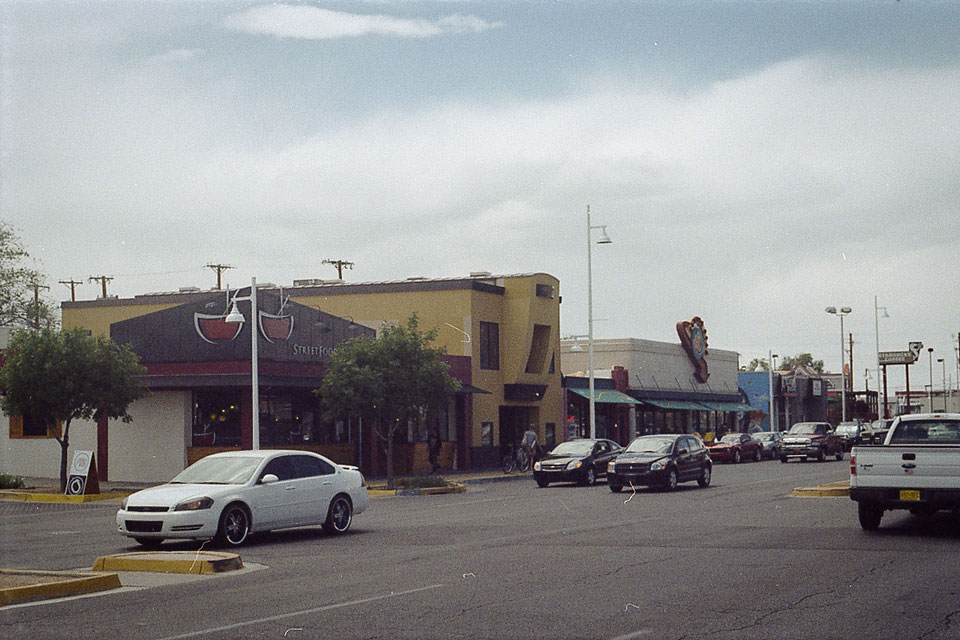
226,496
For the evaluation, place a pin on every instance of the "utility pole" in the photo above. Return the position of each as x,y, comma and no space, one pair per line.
103,280
219,268
339,265
73,288
36,302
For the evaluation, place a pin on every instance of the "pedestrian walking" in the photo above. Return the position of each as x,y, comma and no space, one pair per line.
433,449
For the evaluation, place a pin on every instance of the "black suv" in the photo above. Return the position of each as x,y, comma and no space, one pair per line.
661,460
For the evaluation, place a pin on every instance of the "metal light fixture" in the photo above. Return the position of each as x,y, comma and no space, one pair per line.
604,239
842,311
235,317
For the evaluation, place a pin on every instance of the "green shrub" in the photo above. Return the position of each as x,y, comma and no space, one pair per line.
11,482
421,482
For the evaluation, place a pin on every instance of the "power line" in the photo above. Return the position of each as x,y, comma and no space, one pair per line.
103,280
219,268
339,265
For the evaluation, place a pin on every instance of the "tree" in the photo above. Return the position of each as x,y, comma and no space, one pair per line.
757,365
20,286
389,381
55,377
802,358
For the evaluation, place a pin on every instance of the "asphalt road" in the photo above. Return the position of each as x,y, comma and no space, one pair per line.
741,559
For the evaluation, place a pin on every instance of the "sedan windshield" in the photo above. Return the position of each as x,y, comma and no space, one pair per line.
848,428
574,448
225,470
651,445
731,438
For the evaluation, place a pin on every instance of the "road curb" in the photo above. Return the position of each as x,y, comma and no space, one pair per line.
33,496
194,562
830,490
56,584
458,487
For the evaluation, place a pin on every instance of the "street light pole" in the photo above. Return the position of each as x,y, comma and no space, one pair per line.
842,311
876,327
773,405
604,239
236,317
943,365
930,391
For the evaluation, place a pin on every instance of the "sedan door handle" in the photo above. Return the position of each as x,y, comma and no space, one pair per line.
909,465
326,482
290,488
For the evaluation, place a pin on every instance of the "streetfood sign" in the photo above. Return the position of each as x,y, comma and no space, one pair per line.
897,357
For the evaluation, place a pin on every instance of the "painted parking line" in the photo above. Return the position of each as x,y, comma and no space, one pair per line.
283,616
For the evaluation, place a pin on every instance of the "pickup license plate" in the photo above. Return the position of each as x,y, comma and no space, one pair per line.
909,494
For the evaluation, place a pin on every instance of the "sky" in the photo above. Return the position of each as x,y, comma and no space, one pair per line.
753,162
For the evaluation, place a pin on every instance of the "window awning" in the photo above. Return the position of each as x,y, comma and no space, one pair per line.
738,407
605,395
678,405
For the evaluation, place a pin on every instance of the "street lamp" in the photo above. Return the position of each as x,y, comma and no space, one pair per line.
943,365
235,317
842,311
773,406
604,239
876,328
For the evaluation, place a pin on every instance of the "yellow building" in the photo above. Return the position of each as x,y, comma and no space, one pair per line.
501,334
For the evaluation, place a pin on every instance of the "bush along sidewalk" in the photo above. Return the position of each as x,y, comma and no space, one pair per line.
8,481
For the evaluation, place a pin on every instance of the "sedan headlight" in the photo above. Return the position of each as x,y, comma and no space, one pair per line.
194,505
612,467
536,466
659,465
123,503
574,464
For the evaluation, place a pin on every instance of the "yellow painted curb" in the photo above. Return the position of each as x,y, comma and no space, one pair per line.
195,562
823,491
27,496
57,585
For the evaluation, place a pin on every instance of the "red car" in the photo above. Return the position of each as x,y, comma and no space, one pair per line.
735,447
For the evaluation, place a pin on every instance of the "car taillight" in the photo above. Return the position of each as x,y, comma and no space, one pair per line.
853,465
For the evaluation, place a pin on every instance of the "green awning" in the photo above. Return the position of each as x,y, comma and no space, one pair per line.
738,407
605,395
679,405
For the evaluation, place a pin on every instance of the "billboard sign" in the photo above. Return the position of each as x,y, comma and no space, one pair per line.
897,357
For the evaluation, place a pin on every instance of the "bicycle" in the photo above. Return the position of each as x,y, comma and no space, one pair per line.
517,459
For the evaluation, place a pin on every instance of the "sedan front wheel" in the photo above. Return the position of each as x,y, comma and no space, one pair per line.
234,525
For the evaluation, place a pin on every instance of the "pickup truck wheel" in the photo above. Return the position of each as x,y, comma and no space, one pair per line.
869,516
616,488
821,456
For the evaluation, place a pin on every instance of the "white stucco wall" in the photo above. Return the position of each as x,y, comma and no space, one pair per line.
40,457
653,365
152,448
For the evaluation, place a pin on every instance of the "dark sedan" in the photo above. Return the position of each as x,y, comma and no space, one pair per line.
771,443
662,461
581,461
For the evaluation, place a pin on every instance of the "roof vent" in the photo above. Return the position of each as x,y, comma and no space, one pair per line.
189,289
416,278
480,274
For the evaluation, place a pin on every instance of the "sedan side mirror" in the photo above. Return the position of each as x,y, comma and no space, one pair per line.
269,479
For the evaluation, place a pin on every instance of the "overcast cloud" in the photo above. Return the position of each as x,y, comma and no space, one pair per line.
753,163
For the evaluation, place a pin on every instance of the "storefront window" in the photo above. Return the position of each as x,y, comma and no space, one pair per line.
216,418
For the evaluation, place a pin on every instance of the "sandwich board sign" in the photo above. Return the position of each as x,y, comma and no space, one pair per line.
82,478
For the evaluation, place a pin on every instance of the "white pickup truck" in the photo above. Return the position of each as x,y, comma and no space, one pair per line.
917,468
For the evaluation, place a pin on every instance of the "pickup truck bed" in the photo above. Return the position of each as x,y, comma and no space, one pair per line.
917,468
